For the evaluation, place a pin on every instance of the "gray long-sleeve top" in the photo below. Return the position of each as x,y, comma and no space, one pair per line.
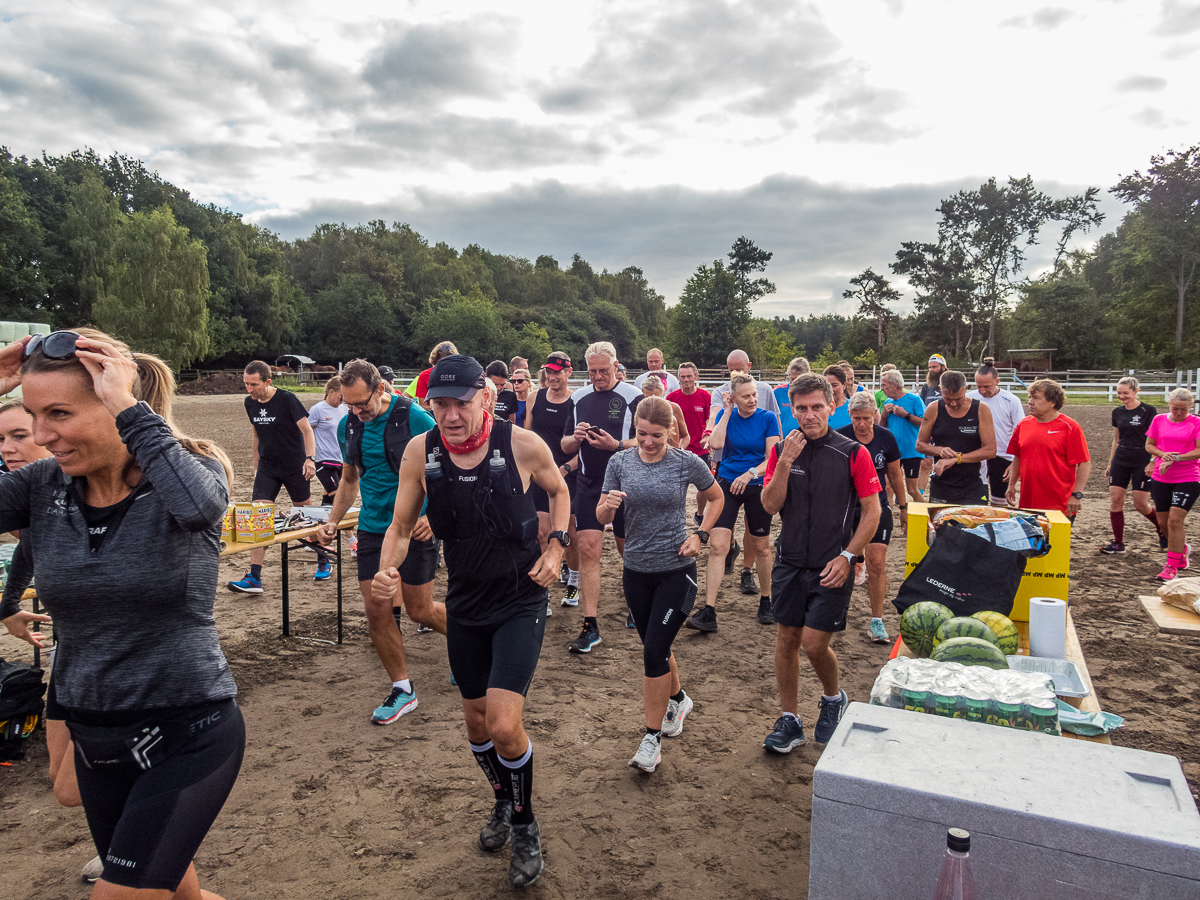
133,618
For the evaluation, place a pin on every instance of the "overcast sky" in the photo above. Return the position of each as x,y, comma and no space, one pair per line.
648,134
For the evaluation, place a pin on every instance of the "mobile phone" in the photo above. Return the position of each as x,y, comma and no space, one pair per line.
594,430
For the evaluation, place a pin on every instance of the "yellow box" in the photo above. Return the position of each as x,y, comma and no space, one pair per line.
1045,576
243,523
263,520
227,523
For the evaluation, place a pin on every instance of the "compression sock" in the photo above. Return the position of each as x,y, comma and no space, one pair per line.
256,572
520,780
489,761
572,577
678,698
1118,526
1153,521
404,684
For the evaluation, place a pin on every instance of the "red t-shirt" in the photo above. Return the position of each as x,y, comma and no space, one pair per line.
695,414
423,384
862,470
1049,453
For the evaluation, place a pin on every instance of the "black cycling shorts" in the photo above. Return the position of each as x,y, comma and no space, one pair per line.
911,467
502,656
883,534
973,494
659,603
584,507
418,567
1124,476
329,474
758,520
266,487
151,791
799,600
541,500
1167,494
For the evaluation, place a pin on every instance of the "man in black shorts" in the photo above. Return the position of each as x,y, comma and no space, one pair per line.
957,432
815,478
601,423
475,472
284,454
378,429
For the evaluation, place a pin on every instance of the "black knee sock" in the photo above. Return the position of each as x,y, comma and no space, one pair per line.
489,761
520,779
322,558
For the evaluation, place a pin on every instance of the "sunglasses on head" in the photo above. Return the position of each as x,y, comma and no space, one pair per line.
56,345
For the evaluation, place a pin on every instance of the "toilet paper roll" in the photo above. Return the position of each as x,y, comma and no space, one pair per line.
1048,627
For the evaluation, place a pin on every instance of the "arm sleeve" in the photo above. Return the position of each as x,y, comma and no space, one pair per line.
772,459
193,487
862,470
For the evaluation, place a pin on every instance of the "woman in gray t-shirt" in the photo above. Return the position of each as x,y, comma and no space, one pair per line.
652,481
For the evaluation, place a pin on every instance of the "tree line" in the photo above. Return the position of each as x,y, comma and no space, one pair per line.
88,239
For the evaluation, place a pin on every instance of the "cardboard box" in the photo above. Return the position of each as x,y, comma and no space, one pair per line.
243,523
1050,819
227,524
262,520
1045,576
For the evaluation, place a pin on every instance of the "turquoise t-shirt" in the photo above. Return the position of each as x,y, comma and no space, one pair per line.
378,486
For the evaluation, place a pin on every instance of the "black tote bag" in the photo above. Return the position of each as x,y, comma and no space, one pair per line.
965,573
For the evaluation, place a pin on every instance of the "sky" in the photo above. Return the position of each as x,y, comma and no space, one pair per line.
637,134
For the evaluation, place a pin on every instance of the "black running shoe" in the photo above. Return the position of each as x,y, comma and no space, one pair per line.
1113,547
498,828
765,616
829,716
731,559
1162,542
527,862
787,735
749,588
705,619
588,638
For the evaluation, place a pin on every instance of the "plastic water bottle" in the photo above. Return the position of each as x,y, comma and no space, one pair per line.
956,882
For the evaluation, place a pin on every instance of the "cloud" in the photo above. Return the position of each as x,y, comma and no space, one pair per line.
1180,51
1046,19
1150,117
1141,83
858,114
1178,19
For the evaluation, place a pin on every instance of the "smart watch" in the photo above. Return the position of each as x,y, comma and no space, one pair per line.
561,536
850,557
1078,495
703,535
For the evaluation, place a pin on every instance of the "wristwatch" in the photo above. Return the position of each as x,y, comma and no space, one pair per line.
561,536
1078,495
850,557
703,535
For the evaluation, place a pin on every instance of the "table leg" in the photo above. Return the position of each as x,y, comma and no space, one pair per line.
283,545
339,583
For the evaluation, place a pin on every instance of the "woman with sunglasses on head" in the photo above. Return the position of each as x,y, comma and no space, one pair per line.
651,480
146,691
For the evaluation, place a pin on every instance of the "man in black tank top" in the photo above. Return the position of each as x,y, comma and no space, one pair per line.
957,432
476,472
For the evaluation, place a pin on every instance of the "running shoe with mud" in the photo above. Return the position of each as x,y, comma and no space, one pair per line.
498,828
765,616
704,619
527,863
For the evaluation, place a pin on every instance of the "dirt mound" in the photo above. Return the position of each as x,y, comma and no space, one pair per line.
220,383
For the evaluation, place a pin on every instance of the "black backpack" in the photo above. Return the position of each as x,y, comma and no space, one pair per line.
21,706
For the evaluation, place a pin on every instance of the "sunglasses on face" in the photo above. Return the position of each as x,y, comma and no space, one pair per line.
56,345
520,381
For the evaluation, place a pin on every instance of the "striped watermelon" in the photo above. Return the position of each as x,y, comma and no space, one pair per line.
964,626
1006,631
920,623
970,651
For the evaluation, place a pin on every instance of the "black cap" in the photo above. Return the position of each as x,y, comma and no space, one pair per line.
457,377
386,373
958,840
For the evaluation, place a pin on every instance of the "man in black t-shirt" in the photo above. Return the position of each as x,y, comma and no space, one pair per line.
284,456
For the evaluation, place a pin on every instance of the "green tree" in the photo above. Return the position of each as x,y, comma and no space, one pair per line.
1062,310
1167,202
157,296
354,318
92,226
945,289
767,346
745,259
22,288
710,316
993,225
874,293
471,320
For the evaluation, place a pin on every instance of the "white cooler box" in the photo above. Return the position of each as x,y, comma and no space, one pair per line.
1049,817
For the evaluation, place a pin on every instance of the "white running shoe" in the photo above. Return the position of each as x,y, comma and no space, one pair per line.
672,723
648,755
93,870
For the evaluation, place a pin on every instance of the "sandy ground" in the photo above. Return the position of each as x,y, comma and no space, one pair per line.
329,805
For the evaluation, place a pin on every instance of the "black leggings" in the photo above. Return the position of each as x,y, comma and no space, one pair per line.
659,602
152,791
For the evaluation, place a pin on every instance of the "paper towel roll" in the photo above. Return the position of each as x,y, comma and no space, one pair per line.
1048,627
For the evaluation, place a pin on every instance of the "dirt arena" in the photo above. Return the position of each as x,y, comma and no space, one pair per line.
330,806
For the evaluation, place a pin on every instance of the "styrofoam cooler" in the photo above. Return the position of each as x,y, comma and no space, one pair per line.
1049,817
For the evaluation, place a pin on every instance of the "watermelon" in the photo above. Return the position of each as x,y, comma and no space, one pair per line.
1006,631
964,626
970,651
920,623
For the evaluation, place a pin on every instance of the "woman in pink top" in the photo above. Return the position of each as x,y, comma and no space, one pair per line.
1174,442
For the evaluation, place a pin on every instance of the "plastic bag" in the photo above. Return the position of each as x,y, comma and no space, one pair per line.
1182,593
1086,724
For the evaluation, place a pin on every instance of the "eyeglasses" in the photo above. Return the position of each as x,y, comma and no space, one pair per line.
520,381
56,345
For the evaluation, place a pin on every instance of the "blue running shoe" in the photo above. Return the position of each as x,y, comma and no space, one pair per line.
829,716
396,705
787,734
248,585
324,570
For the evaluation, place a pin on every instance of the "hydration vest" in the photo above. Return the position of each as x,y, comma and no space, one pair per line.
396,435
500,506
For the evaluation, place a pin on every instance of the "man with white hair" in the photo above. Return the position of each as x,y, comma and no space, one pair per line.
654,362
901,414
600,424
739,361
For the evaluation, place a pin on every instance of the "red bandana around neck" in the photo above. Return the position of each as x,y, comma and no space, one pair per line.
474,442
